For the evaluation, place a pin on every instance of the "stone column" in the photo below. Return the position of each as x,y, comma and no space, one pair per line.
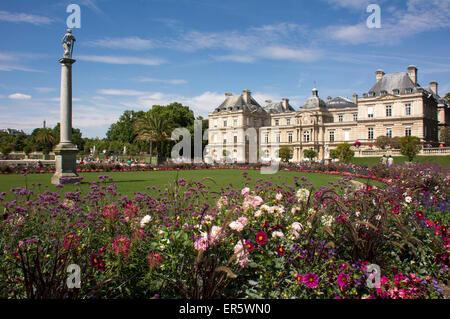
65,151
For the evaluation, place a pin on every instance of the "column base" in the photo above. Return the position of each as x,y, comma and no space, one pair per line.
65,163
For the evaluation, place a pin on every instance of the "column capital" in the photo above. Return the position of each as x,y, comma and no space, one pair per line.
67,61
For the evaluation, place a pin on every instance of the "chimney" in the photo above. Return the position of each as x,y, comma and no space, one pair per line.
434,87
412,72
285,103
355,98
328,98
379,74
246,94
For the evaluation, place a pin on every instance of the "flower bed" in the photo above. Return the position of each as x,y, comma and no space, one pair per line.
264,241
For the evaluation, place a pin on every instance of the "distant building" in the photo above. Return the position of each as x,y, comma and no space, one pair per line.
395,106
12,131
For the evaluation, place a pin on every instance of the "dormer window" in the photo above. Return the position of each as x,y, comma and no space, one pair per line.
396,91
371,94
383,92
409,91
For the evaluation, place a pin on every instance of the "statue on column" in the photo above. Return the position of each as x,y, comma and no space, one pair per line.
68,42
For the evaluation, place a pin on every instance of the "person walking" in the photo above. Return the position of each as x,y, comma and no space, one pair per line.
390,161
383,160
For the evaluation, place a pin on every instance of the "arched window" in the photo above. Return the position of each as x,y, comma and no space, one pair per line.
306,136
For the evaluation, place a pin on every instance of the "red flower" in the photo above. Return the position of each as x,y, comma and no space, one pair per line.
261,238
249,245
71,241
281,251
97,262
420,215
299,279
154,259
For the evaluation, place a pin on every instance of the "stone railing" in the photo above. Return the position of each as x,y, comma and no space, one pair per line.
435,151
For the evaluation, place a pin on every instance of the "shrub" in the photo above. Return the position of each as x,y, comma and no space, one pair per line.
344,152
410,146
285,153
311,154
382,141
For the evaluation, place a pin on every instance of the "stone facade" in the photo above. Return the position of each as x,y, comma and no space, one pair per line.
241,130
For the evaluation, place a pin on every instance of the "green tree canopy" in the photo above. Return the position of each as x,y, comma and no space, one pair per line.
382,141
344,152
77,136
285,153
311,154
444,135
123,130
410,146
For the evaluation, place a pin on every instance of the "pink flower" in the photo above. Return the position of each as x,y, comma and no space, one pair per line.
243,220
201,244
343,280
245,191
121,245
257,201
311,280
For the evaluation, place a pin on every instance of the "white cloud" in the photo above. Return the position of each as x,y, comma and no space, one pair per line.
122,92
419,16
121,59
19,96
24,17
285,53
235,58
350,4
131,43
166,81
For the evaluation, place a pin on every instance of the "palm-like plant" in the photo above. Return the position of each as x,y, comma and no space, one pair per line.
153,128
46,139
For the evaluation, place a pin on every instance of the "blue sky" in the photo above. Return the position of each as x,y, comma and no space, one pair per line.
134,54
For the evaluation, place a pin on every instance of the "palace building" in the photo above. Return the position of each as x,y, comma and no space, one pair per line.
242,130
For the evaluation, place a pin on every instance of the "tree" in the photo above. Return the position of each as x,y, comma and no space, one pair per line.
45,138
410,146
447,96
153,127
6,149
334,154
124,129
382,141
344,152
285,153
395,142
311,154
444,135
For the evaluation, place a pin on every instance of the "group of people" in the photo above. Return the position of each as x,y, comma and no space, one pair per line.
387,160
108,160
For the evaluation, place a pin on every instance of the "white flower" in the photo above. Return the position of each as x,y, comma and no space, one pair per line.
237,226
326,220
297,226
302,194
277,210
145,220
245,191
408,199
265,208
258,213
357,214
279,196
295,210
277,234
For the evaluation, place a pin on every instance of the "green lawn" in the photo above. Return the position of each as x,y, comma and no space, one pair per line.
444,161
130,182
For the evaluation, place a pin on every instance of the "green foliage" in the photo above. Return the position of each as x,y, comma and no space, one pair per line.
285,153
444,135
311,154
123,129
6,150
334,154
382,141
77,138
344,152
410,146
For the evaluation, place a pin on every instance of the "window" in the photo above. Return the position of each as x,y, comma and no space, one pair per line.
370,133
215,138
278,138
306,136
371,94
370,111
389,132
407,131
225,139
225,123
277,122
248,121
266,138
346,135
331,136
235,122
290,137
341,117
396,91
235,138
409,91
408,109
355,117
288,121
215,123
388,110
266,153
